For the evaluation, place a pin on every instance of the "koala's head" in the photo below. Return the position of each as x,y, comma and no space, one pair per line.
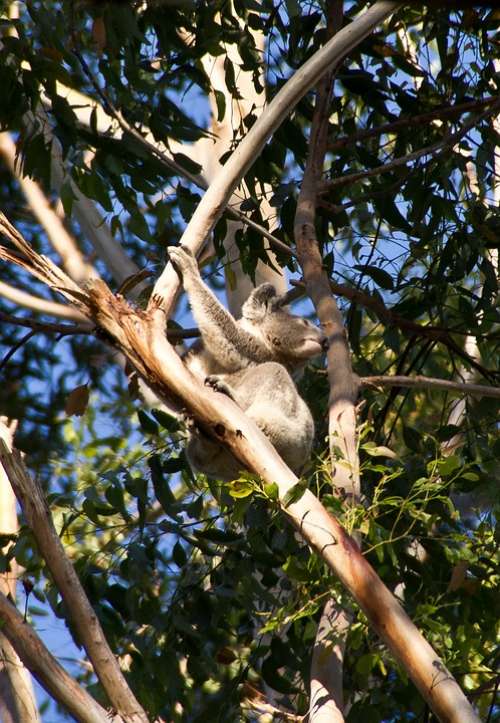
292,339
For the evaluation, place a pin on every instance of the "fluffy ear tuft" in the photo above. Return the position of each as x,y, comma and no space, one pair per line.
260,301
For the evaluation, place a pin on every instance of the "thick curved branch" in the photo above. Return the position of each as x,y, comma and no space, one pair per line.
143,342
217,196
84,619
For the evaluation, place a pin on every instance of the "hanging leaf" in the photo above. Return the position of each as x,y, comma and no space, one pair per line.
77,401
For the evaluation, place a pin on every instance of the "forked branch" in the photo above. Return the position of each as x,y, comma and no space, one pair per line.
83,617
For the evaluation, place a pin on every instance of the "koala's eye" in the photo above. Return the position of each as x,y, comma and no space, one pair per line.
276,341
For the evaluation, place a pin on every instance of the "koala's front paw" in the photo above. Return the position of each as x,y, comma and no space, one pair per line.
183,260
218,385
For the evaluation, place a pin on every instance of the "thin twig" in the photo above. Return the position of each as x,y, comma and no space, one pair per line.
411,328
73,329
47,327
23,340
422,382
443,112
444,144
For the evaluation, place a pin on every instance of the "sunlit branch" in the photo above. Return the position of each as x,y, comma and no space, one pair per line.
36,303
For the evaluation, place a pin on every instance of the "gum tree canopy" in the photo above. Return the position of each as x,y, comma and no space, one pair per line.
348,152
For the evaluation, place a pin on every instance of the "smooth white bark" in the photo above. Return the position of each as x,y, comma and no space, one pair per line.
217,196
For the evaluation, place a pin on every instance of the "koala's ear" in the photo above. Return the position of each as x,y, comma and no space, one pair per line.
260,301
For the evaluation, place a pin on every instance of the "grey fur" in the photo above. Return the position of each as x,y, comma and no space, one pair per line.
251,360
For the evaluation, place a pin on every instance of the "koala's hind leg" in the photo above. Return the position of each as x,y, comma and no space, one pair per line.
269,396
205,455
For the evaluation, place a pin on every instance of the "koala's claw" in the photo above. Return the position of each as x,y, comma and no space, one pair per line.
182,259
218,385
187,419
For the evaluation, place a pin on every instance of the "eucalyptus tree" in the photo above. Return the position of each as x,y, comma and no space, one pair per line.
351,154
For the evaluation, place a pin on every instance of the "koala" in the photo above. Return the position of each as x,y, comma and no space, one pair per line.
251,360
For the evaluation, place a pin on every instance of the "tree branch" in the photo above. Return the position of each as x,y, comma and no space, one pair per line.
409,328
174,335
45,327
326,678
36,303
173,166
217,196
90,220
83,617
45,667
416,120
443,145
71,257
422,382
142,341
17,698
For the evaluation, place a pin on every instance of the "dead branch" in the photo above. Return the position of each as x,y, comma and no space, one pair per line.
31,498
140,337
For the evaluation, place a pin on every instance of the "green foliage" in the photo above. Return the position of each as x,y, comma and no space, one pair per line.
203,587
